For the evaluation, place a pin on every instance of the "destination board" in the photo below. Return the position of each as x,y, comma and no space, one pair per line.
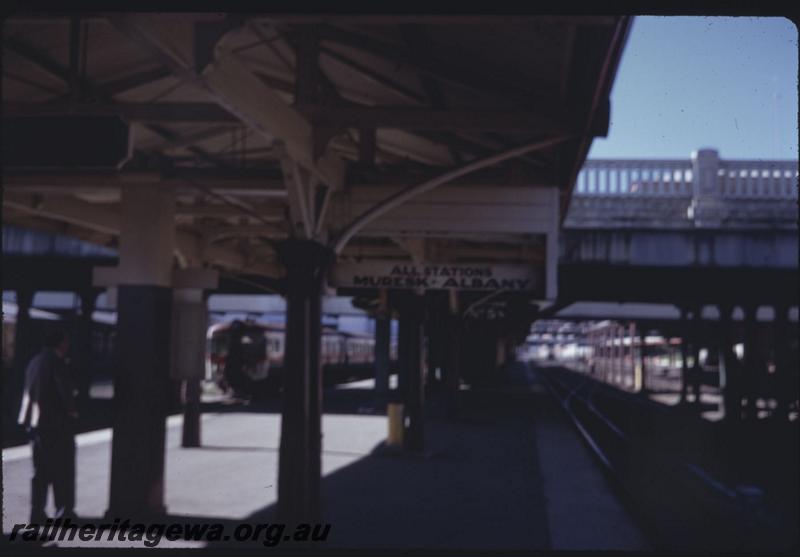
436,276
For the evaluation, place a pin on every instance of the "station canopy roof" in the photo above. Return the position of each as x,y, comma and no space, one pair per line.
269,125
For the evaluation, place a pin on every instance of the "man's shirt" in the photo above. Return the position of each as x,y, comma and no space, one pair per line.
48,401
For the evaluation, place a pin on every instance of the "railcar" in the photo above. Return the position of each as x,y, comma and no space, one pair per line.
248,356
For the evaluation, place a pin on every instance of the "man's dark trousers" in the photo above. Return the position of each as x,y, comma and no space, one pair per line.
53,463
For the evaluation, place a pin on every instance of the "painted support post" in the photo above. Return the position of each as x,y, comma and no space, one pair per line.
141,376
453,363
622,356
606,354
750,370
685,334
299,464
412,369
609,354
642,353
617,354
783,369
629,357
189,326
83,344
732,390
697,370
383,322
436,338
402,344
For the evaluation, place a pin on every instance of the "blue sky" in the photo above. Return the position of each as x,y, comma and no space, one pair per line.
688,82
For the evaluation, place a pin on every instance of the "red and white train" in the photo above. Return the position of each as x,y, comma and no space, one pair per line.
247,356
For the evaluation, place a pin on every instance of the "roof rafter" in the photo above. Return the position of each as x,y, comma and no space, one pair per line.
87,87
235,87
453,73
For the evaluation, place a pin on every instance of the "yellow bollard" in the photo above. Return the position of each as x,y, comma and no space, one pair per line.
394,412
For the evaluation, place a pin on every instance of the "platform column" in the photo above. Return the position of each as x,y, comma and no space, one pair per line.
383,331
452,355
612,333
750,367
782,364
83,344
732,391
411,312
436,335
697,370
141,375
189,327
685,335
299,465
642,364
620,355
607,353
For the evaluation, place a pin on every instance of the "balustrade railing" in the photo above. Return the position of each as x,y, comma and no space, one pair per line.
757,179
732,179
667,178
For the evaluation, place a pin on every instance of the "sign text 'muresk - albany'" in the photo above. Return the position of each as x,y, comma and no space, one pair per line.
436,276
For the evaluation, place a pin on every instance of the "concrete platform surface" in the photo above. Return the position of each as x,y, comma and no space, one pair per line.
508,473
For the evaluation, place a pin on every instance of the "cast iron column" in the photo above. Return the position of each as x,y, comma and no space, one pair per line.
142,382
750,371
697,370
190,323
83,344
299,466
684,353
383,331
732,393
782,366
643,365
411,331
141,400
453,363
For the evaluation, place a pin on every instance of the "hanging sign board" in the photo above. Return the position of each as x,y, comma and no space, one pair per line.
436,276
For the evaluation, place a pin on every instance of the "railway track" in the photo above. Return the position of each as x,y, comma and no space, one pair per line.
666,469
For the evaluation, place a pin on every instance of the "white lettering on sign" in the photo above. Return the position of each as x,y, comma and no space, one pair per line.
435,276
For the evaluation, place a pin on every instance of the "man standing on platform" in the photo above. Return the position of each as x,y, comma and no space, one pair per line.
48,412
